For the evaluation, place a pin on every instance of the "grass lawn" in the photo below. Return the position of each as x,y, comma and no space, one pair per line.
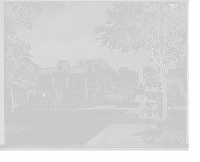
178,118
56,128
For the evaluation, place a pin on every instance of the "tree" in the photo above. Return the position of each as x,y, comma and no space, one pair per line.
126,82
103,80
20,71
22,13
158,27
151,78
175,82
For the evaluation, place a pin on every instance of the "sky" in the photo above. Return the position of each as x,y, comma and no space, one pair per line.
66,32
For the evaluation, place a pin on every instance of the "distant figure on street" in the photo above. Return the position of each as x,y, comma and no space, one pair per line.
93,101
56,102
142,107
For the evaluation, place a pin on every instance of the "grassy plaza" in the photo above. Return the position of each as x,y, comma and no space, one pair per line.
56,127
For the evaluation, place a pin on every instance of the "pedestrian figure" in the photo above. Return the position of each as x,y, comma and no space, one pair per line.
142,107
77,100
93,101
152,109
56,102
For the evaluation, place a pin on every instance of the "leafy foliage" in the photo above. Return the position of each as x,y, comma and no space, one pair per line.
122,83
176,82
151,77
127,82
159,28
104,80
22,12
20,71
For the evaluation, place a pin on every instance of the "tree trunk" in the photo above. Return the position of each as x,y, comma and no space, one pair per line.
12,99
141,76
164,91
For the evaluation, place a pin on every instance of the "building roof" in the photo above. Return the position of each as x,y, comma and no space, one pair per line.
87,62
78,69
47,70
62,66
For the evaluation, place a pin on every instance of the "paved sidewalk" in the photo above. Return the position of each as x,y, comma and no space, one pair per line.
121,133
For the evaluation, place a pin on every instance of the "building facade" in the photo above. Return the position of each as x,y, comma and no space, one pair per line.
77,81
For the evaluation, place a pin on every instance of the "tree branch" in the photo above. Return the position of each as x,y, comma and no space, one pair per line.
152,48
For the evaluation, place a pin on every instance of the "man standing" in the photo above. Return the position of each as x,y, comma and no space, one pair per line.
56,102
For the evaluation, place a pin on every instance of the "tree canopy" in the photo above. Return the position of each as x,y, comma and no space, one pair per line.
20,71
22,12
121,83
158,27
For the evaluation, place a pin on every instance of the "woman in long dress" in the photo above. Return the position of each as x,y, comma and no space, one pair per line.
141,107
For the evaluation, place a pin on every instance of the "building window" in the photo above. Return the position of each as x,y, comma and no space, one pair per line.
73,95
80,82
90,82
47,82
90,93
80,94
63,82
31,93
73,82
40,94
47,94
60,69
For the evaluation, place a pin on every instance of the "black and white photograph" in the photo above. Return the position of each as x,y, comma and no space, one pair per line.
95,75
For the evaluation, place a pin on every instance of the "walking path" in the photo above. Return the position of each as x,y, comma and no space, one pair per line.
121,133
125,132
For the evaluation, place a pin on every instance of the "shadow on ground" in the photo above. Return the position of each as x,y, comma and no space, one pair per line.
175,135
17,128
105,118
